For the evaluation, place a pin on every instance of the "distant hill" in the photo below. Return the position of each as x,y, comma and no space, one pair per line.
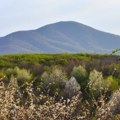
60,37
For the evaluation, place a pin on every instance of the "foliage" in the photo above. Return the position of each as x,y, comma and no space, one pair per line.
53,81
45,107
112,83
71,89
96,83
51,59
22,75
81,75
2,75
65,89
115,51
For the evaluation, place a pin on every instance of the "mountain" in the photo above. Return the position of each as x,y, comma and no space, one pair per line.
60,37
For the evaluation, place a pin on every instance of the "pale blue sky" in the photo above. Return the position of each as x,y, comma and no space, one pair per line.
18,15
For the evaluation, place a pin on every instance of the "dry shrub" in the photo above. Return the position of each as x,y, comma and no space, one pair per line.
114,103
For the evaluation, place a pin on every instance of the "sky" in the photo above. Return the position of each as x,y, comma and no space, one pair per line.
16,15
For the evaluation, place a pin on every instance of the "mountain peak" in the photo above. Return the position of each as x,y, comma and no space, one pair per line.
63,36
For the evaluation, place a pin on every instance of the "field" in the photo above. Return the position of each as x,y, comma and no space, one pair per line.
59,87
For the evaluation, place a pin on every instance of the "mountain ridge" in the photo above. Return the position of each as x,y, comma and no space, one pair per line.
63,36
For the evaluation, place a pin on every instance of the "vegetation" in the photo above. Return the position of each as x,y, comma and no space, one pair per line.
59,87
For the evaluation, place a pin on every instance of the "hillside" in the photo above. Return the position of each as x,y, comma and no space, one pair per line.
60,37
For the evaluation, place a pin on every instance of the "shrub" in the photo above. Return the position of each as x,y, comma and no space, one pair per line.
72,88
96,82
114,103
81,75
112,83
53,81
9,72
2,74
22,75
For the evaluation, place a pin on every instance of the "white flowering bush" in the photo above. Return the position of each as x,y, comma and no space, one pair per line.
96,82
71,88
53,81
